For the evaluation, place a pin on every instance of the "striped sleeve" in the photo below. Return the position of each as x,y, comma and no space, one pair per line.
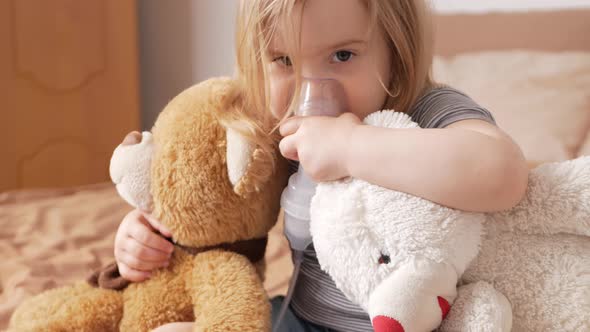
443,106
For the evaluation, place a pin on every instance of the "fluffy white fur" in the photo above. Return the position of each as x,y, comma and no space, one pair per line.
527,268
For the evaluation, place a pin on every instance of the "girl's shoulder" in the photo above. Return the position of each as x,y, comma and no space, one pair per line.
443,105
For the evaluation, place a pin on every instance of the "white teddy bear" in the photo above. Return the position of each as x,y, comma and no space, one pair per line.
401,257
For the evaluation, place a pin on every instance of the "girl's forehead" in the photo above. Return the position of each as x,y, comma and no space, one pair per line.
325,24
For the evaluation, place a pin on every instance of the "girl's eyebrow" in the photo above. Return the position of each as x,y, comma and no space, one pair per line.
348,42
273,51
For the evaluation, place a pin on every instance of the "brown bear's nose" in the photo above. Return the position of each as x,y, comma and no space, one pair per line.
132,138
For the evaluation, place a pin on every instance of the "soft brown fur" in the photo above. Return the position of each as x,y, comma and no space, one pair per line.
193,197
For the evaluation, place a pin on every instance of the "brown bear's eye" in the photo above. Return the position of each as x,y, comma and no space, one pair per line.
384,259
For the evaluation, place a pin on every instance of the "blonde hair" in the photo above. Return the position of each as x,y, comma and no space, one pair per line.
404,23
408,30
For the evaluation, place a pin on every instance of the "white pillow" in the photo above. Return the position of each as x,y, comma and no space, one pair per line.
540,99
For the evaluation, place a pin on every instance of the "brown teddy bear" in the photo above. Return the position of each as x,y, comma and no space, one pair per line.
216,184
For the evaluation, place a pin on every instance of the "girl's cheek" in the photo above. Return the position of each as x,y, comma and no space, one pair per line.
281,91
359,93
367,98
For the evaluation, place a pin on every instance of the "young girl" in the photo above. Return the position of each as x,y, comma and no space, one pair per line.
381,53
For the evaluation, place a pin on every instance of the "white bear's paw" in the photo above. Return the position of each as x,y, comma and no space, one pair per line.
479,308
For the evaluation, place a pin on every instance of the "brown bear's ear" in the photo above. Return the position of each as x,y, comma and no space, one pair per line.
248,166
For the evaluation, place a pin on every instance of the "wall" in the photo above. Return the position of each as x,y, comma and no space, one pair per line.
182,42
213,28
478,6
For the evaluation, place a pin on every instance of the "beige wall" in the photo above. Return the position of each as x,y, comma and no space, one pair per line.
213,28
182,42
482,6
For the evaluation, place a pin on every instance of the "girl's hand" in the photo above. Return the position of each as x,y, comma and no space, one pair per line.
175,327
140,246
320,144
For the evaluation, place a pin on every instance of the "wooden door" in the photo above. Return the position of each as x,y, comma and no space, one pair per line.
68,89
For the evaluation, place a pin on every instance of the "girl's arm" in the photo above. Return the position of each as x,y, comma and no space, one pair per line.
470,165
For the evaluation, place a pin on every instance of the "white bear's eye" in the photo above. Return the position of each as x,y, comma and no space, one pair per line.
384,259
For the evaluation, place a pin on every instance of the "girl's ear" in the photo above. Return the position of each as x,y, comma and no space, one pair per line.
249,167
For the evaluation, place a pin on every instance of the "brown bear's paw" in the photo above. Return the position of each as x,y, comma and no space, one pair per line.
73,308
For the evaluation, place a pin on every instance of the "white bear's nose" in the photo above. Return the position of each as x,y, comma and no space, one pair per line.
132,138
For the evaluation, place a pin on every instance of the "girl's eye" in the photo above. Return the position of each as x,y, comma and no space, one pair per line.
283,60
342,56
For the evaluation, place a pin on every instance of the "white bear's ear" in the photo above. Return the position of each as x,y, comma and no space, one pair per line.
390,119
248,167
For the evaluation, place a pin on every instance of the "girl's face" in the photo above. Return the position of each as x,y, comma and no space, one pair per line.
334,44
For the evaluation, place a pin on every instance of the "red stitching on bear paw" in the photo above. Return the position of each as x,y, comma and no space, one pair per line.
445,307
386,324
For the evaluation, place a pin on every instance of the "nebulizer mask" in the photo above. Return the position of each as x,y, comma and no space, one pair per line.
318,97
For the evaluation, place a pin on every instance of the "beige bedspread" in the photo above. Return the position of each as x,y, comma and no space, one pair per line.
49,238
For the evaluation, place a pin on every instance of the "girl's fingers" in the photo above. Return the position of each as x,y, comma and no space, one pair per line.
144,253
288,147
290,126
134,263
176,327
131,274
144,234
157,225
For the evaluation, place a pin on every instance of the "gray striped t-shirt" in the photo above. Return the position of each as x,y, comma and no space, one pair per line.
316,297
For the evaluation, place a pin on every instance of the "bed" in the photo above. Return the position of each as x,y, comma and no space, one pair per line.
532,70
52,237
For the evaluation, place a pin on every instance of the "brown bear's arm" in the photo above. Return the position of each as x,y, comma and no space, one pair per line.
227,293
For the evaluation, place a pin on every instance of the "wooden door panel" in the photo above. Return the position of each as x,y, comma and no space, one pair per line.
69,33
33,170
68,89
